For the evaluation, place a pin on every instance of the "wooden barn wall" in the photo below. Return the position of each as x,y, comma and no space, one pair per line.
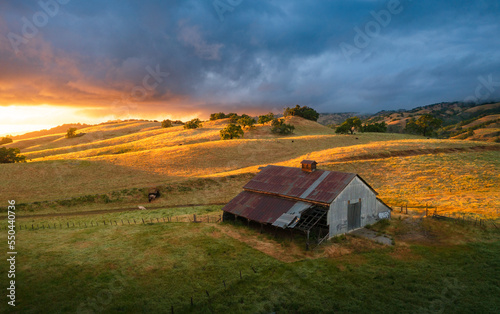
337,215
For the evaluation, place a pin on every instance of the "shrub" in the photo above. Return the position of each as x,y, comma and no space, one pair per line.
5,140
166,124
279,127
193,124
11,155
231,131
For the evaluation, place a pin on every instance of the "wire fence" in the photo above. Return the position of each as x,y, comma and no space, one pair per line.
120,222
432,212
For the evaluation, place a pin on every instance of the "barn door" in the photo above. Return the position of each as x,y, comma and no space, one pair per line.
353,216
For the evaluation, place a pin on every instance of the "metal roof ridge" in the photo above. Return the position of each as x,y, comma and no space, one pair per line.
292,198
322,170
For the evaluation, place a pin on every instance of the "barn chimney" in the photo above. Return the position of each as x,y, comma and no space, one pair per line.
308,165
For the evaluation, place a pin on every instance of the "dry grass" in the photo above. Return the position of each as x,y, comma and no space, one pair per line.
481,120
141,154
456,183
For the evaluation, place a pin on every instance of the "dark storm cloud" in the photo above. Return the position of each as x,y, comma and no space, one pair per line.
259,56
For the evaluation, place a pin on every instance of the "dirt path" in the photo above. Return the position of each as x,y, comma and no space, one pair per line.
416,152
114,210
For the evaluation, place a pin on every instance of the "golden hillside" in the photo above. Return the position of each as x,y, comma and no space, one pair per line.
140,154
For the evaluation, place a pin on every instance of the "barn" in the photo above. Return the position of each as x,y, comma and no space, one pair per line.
308,199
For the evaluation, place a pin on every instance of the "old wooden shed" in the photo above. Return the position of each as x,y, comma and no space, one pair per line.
308,199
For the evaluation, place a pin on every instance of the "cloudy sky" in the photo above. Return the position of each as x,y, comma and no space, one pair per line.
93,60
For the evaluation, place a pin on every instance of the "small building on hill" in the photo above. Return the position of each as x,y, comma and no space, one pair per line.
307,199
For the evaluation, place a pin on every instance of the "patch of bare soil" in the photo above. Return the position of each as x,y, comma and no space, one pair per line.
289,254
412,231
336,250
403,252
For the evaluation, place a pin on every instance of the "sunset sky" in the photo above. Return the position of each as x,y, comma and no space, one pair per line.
67,61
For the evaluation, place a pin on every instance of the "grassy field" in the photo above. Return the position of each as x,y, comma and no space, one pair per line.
126,265
434,267
113,165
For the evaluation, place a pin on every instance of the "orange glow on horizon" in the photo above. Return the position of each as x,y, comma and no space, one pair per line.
16,120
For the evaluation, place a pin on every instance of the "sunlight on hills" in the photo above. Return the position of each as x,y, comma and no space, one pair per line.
137,154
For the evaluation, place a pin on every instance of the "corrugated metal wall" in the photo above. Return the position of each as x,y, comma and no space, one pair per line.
337,215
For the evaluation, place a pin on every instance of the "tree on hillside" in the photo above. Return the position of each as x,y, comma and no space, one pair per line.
11,155
304,112
374,127
280,127
349,125
233,117
217,116
166,124
231,131
71,133
425,124
246,121
193,124
5,140
266,118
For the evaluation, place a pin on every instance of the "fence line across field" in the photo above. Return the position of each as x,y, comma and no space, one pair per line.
121,222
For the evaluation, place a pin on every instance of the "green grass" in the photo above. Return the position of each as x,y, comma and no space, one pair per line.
126,217
149,268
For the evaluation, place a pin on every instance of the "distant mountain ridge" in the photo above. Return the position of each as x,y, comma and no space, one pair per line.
460,120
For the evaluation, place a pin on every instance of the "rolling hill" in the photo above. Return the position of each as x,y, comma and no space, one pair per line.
463,121
112,159
85,245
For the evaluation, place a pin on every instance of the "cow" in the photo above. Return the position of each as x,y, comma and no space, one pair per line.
153,194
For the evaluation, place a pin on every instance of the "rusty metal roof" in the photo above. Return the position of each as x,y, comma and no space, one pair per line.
317,186
259,207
